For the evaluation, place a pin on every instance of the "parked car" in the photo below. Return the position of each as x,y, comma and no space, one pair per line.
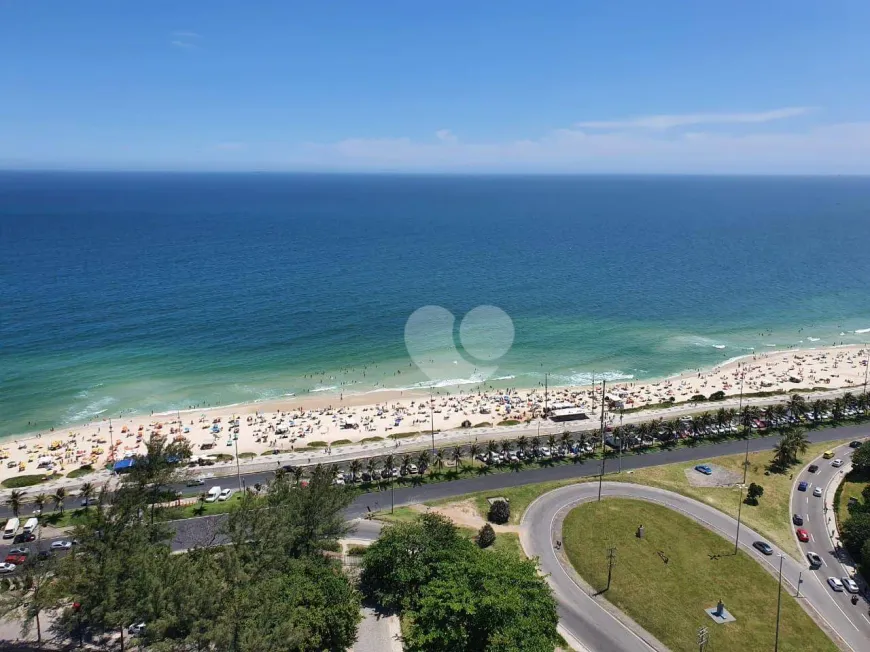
61,545
802,485
225,494
137,629
42,555
814,559
763,547
704,468
850,585
817,492
802,535
19,550
797,519
813,468
412,468
837,463
17,560
835,584
89,501
6,568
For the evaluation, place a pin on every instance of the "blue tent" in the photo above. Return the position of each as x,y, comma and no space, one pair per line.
123,466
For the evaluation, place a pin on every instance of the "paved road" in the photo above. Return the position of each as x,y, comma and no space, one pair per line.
595,627
817,523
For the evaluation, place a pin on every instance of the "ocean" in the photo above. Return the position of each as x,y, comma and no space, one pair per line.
130,292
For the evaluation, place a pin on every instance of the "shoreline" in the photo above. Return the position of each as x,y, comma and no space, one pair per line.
296,424
336,399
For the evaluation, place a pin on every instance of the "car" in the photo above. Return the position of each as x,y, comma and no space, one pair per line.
19,550
136,629
6,568
854,444
89,501
817,492
837,463
61,545
225,494
763,547
835,584
42,555
797,519
813,468
16,560
814,559
828,454
802,485
705,469
802,535
194,482
850,585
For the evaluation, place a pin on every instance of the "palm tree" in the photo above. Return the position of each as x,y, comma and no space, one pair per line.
536,444
747,417
838,408
491,448
40,501
721,419
523,444
849,400
473,451
566,440
200,499
372,467
58,498
506,447
423,460
355,469
797,405
297,475
389,461
406,462
769,415
15,500
86,492
439,459
551,443
456,456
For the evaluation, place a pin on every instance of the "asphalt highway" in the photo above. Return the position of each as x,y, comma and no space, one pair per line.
818,524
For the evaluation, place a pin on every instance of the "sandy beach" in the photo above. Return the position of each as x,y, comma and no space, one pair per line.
293,424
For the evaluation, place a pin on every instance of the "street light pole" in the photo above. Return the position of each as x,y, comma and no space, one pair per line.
866,367
432,415
778,606
603,452
739,512
739,417
238,468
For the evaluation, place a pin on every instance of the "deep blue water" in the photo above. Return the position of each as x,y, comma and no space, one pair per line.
157,291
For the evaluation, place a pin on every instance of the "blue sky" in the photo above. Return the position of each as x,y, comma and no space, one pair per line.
486,86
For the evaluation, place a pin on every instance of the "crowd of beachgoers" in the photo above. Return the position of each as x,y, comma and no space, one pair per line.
291,424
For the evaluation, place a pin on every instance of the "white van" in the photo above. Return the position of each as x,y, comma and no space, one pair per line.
213,494
11,528
31,525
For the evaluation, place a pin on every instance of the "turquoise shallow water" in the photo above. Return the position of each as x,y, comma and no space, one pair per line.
138,292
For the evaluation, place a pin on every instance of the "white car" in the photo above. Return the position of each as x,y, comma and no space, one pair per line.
817,492
837,463
225,494
61,545
6,568
850,585
835,584
136,629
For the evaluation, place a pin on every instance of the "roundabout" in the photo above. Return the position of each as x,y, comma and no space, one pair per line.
592,623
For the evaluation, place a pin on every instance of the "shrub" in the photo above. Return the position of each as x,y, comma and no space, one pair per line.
697,398
486,536
23,481
356,550
717,396
499,512
755,492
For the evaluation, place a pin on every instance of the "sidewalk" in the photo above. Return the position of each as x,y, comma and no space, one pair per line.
848,565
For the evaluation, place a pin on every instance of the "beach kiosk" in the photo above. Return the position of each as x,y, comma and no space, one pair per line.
124,466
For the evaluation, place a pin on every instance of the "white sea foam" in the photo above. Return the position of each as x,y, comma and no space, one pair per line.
813,339
862,330
325,389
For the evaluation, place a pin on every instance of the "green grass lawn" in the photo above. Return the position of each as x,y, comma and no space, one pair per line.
771,517
852,486
668,599
18,481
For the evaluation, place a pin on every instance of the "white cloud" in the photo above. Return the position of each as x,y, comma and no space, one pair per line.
838,148
689,119
185,40
445,136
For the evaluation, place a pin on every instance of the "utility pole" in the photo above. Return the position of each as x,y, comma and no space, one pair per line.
611,562
800,581
739,512
739,417
603,453
866,367
546,405
238,468
703,638
621,435
111,442
778,606
593,390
